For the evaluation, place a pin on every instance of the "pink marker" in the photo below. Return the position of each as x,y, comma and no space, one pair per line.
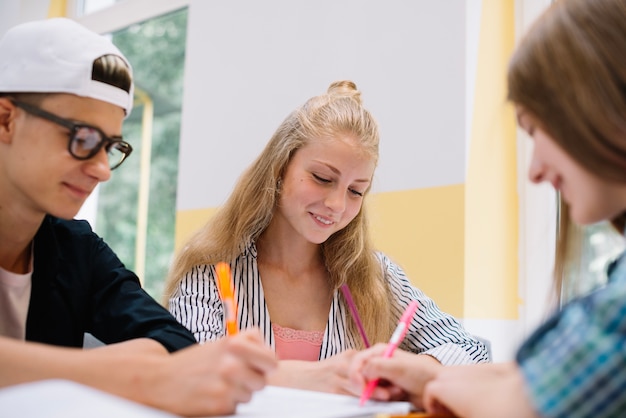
394,342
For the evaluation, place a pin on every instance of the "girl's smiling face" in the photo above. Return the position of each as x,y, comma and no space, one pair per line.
590,197
323,187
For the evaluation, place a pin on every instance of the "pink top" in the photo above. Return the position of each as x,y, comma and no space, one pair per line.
294,344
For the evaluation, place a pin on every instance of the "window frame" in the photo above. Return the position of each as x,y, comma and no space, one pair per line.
538,213
123,14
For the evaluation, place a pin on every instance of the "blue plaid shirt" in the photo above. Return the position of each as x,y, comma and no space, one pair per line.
575,364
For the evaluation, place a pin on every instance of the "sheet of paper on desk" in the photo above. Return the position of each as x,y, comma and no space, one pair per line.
277,402
62,398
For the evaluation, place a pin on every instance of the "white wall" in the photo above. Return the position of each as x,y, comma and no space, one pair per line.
13,12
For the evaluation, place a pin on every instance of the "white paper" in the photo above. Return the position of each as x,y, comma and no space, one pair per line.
65,399
277,402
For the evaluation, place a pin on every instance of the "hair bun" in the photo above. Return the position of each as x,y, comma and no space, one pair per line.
344,88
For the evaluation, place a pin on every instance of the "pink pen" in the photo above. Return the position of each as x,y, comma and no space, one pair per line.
394,342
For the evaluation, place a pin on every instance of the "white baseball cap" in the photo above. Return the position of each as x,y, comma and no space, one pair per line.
56,56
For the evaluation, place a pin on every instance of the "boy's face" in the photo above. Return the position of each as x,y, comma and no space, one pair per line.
40,175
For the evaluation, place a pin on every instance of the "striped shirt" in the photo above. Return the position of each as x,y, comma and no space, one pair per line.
575,364
197,305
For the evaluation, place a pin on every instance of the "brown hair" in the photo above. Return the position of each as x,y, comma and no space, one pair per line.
113,70
569,72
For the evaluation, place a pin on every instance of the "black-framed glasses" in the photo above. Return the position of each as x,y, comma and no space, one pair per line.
85,140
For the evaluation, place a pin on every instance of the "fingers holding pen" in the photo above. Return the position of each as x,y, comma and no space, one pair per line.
402,376
254,359
356,369
217,375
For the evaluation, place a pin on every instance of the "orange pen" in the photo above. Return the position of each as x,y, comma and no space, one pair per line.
227,294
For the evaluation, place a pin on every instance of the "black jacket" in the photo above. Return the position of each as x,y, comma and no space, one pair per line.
79,285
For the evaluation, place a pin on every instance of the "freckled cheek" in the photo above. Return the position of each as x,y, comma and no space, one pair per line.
352,210
310,190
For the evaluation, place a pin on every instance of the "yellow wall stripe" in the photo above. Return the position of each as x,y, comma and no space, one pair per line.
422,230
188,221
491,213
57,8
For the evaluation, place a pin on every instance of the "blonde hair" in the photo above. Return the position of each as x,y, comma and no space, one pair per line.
348,254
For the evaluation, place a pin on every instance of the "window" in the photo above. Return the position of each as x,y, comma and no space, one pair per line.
90,6
136,208
584,255
599,245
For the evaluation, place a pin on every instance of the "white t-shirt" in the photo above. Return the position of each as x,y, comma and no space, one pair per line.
14,301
